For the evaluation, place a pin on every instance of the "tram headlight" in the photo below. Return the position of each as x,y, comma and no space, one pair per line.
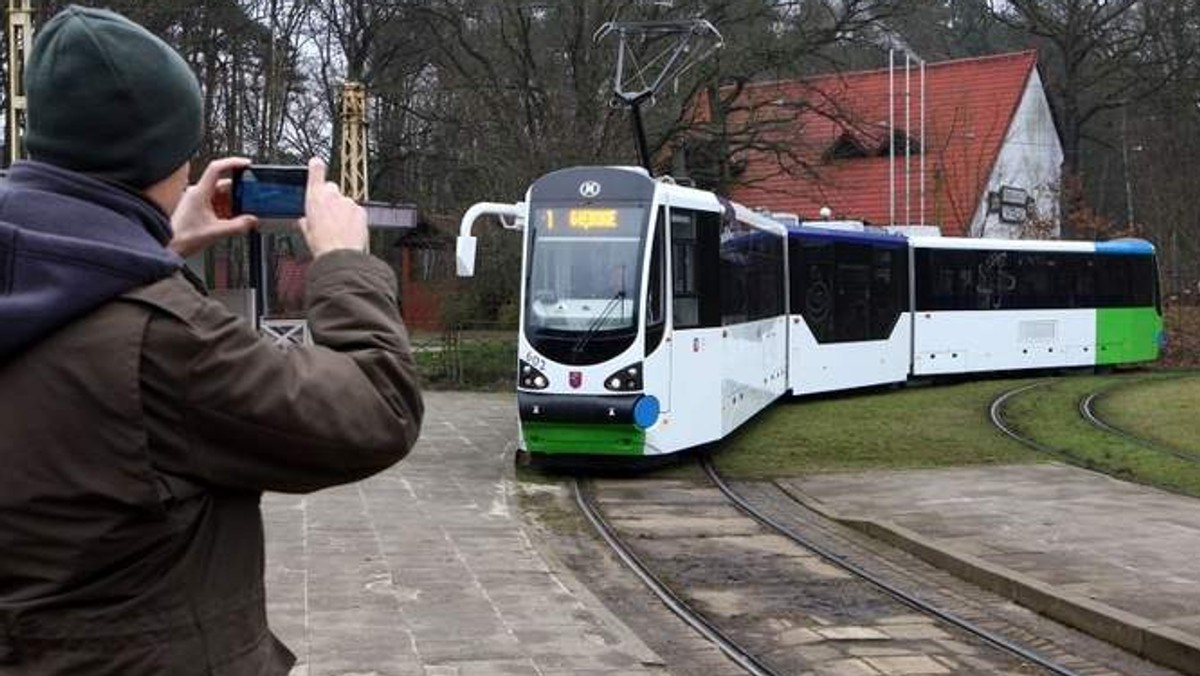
531,378
626,379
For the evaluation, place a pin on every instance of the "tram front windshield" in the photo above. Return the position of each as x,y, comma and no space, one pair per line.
581,292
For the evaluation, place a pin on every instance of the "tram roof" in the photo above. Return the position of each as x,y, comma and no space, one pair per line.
1121,246
1131,246
852,236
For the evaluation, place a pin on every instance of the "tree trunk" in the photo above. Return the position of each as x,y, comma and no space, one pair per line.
1071,194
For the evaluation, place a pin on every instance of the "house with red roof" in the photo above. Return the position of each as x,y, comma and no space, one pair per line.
971,147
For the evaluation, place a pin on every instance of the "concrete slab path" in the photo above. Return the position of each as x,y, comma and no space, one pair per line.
1113,558
426,568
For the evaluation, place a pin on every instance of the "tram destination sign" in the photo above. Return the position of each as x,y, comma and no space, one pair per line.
589,221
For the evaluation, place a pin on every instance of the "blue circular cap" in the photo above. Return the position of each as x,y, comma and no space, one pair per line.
645,411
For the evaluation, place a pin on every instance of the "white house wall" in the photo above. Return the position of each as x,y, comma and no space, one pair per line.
1030,158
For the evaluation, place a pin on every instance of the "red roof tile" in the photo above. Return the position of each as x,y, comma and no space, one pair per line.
970,104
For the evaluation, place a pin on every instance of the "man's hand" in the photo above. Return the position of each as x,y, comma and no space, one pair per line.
331,220
195,223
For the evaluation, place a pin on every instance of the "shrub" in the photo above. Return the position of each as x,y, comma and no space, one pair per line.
464,361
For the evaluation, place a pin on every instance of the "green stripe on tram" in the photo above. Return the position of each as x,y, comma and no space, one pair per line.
597,439
1126,335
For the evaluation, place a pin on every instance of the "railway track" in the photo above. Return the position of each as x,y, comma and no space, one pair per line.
752,660
735,651
1087,411
883,585
996,415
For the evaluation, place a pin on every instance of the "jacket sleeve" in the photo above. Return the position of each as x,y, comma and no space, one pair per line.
226,407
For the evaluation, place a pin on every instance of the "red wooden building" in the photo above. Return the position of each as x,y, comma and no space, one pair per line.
988,149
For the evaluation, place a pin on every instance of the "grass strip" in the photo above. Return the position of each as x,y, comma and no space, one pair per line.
1049,415
1161,410
915,427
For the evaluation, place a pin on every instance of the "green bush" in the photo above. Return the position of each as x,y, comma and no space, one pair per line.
469,363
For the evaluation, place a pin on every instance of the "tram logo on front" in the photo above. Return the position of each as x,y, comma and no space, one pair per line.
589,189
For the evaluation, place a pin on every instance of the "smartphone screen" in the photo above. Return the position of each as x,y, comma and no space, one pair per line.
270,191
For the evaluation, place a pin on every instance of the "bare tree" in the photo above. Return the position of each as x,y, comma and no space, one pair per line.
521,88
721,123
1098,56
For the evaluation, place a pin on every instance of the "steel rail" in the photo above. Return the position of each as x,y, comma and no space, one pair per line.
1087,409
742,657
1087,412
904,597
996,414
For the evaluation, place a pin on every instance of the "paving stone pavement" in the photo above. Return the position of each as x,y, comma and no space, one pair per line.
425,569
1117,551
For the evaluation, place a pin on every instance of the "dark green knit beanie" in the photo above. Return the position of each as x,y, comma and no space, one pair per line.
109,99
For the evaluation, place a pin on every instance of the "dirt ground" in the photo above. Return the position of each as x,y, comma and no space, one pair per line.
1183,335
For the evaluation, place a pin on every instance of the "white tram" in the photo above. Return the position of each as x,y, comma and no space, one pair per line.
657,317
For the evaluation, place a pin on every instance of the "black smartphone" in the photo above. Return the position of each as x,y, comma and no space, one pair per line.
269,191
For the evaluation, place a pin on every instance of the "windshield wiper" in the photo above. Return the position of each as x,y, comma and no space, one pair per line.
617,299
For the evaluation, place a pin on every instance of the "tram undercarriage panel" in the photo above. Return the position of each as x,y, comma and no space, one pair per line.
963,342
825,367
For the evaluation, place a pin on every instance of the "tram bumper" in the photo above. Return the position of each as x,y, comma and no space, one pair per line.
580,424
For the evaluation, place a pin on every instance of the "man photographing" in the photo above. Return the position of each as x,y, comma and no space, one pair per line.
140,421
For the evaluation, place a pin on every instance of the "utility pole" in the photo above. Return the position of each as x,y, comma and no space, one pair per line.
354,141
20,38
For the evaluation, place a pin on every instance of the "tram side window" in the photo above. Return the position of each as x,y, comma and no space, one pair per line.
686,305
1031,280
848,292
1155,291
1037,278
1113,286
735,273
889,289
695,251
1082,280
852,304
946,280
1020,280
751,274
812,285
988,280
1125,281
766,276
656,291
1052,280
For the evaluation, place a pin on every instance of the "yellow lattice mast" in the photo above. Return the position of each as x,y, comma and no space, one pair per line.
20,38
354,141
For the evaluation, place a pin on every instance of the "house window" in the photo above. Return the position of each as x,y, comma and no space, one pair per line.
846,148
903,142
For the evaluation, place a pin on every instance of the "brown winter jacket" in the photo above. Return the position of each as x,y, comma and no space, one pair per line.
136,442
